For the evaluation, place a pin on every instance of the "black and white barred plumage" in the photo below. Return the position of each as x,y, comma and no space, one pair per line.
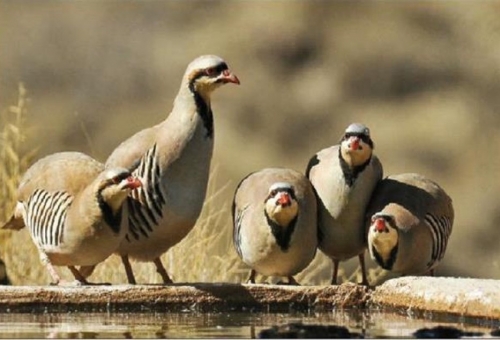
411,220
46,216
146,203
440,227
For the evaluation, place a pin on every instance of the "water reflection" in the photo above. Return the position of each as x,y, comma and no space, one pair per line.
210,325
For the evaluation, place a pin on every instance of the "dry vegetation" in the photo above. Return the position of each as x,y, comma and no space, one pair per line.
424,76
13,162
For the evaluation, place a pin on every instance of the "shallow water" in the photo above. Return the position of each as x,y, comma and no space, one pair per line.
212,325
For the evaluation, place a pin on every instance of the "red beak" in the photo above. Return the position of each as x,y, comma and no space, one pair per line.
284,200
229,77
133,182
354,143
379,224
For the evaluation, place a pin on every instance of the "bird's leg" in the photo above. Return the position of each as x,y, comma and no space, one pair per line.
82,273
56,279
86,271
78,276
364,278
128,270
431,272
335,271
251,278
161,270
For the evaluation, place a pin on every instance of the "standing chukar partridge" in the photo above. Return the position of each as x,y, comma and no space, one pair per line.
73,209
344,177
411,221
274,215
172,159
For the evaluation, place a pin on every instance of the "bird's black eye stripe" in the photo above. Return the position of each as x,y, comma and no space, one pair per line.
390,220
287,190
361,136
221,67
216,70
120,177
365,139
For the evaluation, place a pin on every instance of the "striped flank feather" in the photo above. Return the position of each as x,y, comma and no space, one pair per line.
145,204
440,229
46,215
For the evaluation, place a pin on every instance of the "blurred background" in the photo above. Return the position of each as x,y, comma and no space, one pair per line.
424,76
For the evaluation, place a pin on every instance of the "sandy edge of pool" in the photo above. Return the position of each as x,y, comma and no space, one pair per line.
476,298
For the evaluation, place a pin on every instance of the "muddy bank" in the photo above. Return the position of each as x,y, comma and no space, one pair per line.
452,296
182,297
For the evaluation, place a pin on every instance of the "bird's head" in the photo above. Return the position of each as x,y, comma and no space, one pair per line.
383,233
115,185
281,204
356,144
208,72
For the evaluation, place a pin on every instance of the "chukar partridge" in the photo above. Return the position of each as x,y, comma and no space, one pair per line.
73,209
274,218
173,161
344,177
411,221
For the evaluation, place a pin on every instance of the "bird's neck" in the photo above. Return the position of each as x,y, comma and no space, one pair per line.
281,232
196,104
89,207
384,248
281,216
350,169
111,210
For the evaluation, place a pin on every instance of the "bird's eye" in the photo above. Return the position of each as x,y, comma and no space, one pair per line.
212,71
117,179
273,193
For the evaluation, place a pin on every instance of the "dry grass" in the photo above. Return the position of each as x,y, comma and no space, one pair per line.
16,249
12,161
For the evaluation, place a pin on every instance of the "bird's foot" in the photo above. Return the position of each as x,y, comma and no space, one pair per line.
365,283
78,283
291,282
66,283
86,283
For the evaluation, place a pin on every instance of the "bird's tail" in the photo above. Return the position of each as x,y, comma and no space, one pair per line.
16,222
